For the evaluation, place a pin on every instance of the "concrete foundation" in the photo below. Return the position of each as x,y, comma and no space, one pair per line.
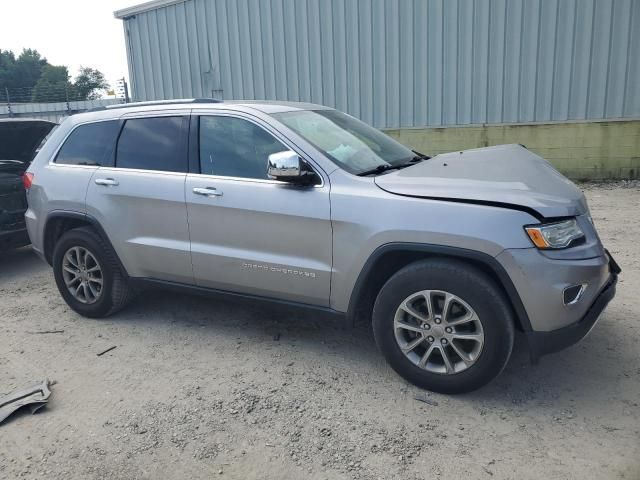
580,150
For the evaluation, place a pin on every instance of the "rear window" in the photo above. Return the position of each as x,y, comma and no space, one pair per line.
89,144
153,144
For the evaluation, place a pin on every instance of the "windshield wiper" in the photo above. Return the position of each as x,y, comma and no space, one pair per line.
419,156
382,168
385,167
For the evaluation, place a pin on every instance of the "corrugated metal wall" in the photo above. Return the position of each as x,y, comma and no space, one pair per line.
398,63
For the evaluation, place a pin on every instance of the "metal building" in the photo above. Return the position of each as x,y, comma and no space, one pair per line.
399,64
396,63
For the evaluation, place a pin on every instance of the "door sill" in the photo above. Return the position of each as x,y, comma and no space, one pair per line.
141,283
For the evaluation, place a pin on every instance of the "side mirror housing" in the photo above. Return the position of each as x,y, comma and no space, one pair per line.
285,166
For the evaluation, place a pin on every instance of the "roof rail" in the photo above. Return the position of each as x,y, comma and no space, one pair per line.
156,102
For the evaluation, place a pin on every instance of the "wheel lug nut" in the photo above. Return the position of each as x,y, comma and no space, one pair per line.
426,326
438,320
430,338
448,330
444,341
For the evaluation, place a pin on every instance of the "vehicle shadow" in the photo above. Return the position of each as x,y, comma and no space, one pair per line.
586,370
18,263
316,334
576,372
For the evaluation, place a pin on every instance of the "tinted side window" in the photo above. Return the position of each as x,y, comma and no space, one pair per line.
153,144
89,144
233,147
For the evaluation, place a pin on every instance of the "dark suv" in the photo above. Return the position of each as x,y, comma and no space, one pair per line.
19,141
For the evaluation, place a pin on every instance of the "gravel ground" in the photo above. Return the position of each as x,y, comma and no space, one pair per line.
201,388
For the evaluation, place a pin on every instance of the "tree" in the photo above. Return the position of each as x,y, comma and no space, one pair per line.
19,75
29,66
7,69
53,85
21,72
89,83
30,78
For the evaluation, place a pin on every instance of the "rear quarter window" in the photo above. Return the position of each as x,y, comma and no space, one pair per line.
90,144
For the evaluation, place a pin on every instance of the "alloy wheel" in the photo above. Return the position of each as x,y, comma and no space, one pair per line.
438,332
82,275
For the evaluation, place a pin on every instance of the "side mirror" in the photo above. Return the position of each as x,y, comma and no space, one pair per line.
285,166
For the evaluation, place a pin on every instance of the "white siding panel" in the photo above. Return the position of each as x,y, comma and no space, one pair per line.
398,63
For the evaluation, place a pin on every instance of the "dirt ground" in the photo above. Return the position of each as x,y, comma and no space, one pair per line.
202,388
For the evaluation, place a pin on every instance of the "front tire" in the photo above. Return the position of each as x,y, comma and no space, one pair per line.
88,275
444,326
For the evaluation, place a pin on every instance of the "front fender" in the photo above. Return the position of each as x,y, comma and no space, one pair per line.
409,252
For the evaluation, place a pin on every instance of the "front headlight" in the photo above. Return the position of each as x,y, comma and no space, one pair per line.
554,235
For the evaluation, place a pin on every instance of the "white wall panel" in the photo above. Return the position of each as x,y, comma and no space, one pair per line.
397,63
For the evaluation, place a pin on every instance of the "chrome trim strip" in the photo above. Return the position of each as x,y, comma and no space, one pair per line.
142,170
69,165
249,180
577,298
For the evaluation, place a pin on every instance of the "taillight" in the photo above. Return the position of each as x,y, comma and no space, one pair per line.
27,180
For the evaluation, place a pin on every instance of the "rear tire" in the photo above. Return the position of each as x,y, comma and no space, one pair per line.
463,348
88,274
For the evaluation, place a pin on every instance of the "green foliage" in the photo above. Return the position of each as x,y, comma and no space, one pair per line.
29,77
7,68
21,72
53,85
29,66
88,83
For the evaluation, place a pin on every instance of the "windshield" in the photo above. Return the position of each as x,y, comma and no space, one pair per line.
350,143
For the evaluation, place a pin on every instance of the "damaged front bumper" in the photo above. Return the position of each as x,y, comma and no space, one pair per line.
542,343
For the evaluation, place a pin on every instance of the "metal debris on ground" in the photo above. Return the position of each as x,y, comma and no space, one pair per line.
42,332
35,397
105,351
425,399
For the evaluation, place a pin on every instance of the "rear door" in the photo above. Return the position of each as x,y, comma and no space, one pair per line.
85,149
139,197
251,234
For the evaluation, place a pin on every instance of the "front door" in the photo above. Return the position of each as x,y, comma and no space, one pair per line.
250,234
139,198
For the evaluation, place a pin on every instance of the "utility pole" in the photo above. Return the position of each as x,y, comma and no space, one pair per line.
126,90
123,89
6,91
66,96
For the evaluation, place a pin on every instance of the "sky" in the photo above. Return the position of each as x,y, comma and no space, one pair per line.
68,32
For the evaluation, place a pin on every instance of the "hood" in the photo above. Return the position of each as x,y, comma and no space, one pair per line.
506,175
19,140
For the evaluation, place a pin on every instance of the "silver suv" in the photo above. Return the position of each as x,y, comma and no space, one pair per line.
447,256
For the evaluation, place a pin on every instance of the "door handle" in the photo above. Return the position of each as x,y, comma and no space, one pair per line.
207,191
107,182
